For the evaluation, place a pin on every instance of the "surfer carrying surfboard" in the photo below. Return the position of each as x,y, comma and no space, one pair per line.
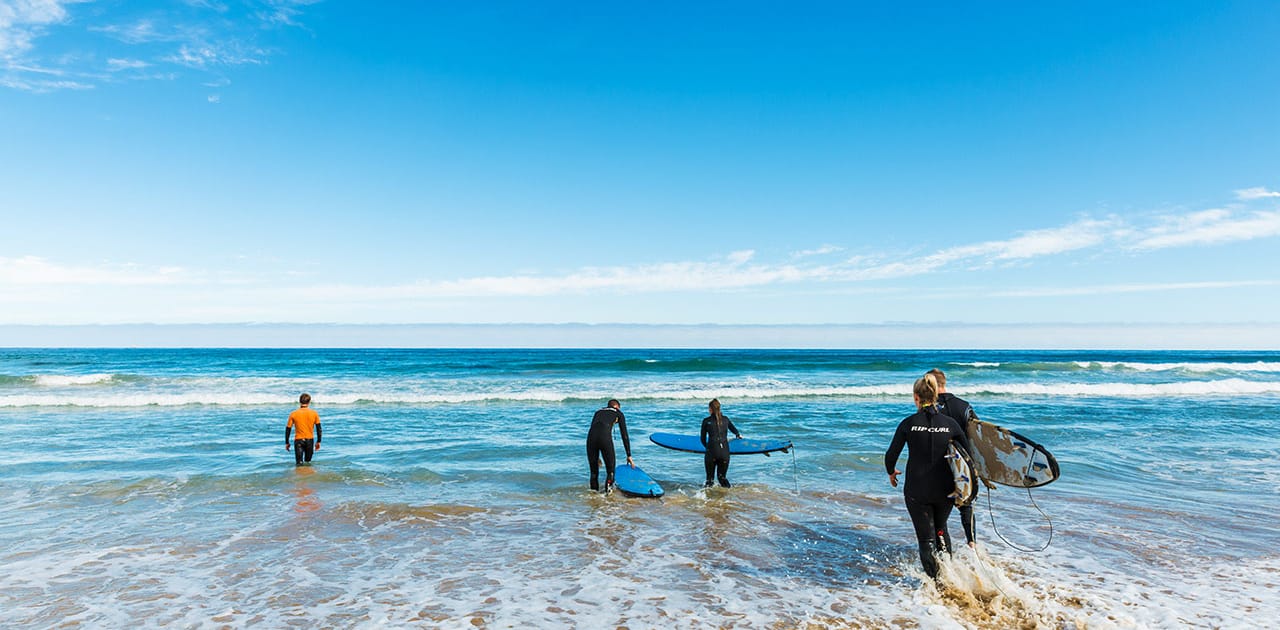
927,433
962,412
600,443
715,438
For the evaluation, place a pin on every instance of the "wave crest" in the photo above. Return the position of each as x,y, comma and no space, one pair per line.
755,391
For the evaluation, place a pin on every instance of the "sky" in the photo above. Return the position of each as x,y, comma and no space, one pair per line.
729,163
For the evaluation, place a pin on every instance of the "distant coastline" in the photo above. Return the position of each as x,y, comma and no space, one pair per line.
906,335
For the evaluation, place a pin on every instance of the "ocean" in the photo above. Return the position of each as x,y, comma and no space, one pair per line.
151,488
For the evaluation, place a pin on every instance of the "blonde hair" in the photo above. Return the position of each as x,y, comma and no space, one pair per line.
715,408
926,389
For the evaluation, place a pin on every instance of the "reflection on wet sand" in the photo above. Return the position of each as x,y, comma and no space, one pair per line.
305,499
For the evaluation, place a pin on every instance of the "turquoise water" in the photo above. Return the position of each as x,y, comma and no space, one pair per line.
152,487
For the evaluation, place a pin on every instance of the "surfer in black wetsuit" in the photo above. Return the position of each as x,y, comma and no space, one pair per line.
715,438
962,413
600,443
926,434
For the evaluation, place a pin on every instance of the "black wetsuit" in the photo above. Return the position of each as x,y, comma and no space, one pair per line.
303,450
715,438
962,413
926,434
600,444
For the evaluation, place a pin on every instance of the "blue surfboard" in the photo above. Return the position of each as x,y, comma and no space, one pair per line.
635,482
691,444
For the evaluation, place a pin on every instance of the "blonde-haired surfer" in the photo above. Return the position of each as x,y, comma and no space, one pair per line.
926,434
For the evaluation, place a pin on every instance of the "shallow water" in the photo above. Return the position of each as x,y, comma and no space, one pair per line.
151,487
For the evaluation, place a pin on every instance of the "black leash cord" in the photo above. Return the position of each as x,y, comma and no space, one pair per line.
995,529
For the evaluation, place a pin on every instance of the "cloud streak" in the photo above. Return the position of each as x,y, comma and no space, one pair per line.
1210,227
36,271
195,36
1250,194
735,271
1118,289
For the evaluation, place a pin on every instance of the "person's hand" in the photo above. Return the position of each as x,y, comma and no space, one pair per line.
286,446
893,478
630,463
317,446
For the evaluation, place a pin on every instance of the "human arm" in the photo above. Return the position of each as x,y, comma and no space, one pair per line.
626,440
288,428
318,432
895,450
705,435
733,429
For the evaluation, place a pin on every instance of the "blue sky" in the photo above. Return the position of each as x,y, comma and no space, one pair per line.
656,162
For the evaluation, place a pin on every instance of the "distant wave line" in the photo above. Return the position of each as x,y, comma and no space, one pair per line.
1135,366
1223,387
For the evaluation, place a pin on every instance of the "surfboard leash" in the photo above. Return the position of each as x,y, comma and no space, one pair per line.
795,477
992,516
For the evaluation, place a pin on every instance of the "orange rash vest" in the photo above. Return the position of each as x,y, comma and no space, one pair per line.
304,419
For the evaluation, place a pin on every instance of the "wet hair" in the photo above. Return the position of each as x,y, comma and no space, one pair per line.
613,402
714,405
939,376
304,399
926,389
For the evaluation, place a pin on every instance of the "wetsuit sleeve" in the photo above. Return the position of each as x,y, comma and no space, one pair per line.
895,447
622,428
962,437
318,432
705,435
287,430
733,428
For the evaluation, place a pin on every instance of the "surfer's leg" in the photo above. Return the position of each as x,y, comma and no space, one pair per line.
922,522
941,512
297,452
610,462
593,460
709,462
722,471
966,520
310,447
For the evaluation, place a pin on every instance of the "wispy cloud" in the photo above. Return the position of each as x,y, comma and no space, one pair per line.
22,22
126,64
284,12
1208,227
1081,234
196,36
1114,289
141,31
820,251
207,55
34,270
734,271
1250,194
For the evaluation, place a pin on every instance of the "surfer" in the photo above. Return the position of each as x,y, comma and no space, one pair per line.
962,412
715,438
307,440
926,434
600,443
